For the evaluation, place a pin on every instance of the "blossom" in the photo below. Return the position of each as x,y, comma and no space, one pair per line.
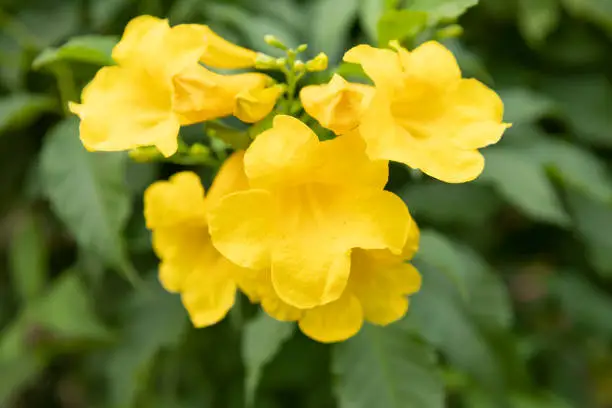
159,85
309,204
337,105
377,291
176,212
424,114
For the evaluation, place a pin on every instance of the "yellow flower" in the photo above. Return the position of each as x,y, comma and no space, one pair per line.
176,212
337,105
158,86
309,204
212,50
377,291
252,105
424,114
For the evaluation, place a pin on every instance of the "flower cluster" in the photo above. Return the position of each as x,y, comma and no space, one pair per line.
302,226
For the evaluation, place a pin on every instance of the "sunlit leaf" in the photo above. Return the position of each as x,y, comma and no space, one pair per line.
400,25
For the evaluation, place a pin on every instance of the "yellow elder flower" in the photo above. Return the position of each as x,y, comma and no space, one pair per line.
309,204
377,291
157,87
337,105
424,114
176,212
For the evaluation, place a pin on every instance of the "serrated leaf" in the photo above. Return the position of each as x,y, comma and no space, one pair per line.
28,258
537,19
92,49
87,191
153,320
400,25
523,183
593,221
386,368
440,10
331,21
262,340
19,110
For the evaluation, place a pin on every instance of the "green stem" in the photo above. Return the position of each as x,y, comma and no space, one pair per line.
65,83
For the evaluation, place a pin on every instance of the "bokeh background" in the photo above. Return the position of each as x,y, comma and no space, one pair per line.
516,305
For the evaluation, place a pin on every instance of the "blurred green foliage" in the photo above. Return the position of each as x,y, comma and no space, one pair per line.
516,305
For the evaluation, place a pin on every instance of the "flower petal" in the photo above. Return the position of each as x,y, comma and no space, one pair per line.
180,200
252,105
381,65
229,179
431,62
242,227
336,321
282,155
453,165
126,108
311,257
381,284
220,53
337,105
209,291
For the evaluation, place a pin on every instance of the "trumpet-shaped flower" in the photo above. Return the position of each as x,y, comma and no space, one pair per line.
424,114
157,86
176,212
309,204
377,291
337,105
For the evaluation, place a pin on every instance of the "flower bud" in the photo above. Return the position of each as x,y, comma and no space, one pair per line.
274,42
318,63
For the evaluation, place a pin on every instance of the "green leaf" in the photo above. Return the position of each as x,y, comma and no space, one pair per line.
537,19
522,105
92,49
87,191
588,307
28,258
597,11
400,25
524,184
441,315
19,110
16,374
574,166
441,10
370,12
585,102
386,368
331,22
258,26
67,311
483,292
466,204
593,221
262,340
153,320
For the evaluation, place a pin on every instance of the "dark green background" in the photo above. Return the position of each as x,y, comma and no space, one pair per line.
516,305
